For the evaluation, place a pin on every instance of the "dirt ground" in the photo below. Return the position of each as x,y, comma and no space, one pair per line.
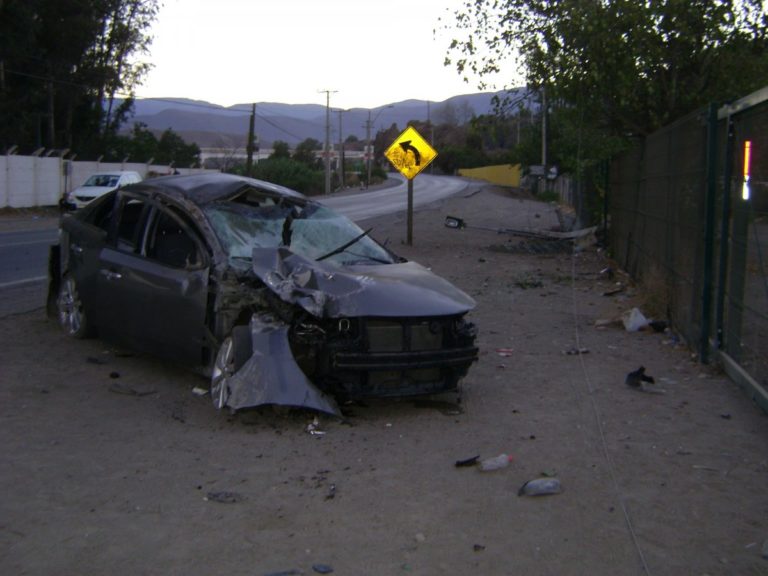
111,465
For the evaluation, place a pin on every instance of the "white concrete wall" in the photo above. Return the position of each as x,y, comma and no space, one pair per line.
30,181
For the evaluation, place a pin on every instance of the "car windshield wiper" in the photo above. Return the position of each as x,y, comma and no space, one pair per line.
344,246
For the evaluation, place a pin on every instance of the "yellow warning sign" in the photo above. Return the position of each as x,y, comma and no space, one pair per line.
410,153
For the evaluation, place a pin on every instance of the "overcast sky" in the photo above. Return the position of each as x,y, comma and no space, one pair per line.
371,52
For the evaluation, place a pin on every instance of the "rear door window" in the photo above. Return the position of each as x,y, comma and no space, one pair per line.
132,211
171,242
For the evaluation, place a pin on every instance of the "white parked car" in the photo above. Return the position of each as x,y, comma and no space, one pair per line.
97,185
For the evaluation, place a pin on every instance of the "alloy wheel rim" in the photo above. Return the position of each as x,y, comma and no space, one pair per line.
70,316
223,368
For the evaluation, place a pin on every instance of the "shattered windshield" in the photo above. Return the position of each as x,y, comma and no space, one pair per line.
312,231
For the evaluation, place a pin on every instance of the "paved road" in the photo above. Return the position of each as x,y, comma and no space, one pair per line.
24,255
390,199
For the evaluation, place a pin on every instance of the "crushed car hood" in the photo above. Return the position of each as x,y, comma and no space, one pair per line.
325,290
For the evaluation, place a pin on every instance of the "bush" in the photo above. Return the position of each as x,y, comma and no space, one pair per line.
291,174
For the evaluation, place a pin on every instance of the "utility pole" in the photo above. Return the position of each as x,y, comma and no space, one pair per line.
431,133
368,151
341,152
249,147
544,137
51,127
327,149
544,127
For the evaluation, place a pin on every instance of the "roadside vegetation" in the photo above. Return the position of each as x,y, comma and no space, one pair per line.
609,72
601,73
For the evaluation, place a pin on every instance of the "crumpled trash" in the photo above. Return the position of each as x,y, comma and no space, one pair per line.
634,320
495,463
638,379
314,428
466,462
540,487
573,351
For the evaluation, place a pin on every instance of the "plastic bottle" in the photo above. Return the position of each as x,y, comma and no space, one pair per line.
495,463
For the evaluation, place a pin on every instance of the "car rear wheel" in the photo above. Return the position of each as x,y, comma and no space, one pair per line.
235,349
72,316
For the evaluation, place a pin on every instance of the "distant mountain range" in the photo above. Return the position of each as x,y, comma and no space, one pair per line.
213,126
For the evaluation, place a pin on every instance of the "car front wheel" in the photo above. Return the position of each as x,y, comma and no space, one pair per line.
72,316
235,349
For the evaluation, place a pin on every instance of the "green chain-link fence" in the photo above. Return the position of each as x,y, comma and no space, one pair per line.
684,224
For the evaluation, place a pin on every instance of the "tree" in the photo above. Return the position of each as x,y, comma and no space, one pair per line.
173,150
280,149
620,67
290,173
305,151
62,66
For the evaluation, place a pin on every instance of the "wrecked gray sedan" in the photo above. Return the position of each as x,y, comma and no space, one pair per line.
279,299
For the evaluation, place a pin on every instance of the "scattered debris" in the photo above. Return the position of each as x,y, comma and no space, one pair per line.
618,290
638,379
495,463
725,416
634,320
537,240
658,325
535,246
291,572
573,351
331,492
505,352
467,462
119,388
200,391
604,322
224,498
478,547
314,428
705,468
764,550
322,568
540,487
114,375
94,360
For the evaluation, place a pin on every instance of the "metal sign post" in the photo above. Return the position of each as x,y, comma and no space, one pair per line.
409,236
410,154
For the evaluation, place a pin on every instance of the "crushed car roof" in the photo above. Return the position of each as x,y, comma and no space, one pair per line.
201,189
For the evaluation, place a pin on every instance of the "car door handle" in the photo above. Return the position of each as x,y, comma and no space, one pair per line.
76,248
111,275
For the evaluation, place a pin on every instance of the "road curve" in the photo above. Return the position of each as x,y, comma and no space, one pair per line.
372,203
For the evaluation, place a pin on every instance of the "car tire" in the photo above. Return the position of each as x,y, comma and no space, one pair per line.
72,317
233,352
